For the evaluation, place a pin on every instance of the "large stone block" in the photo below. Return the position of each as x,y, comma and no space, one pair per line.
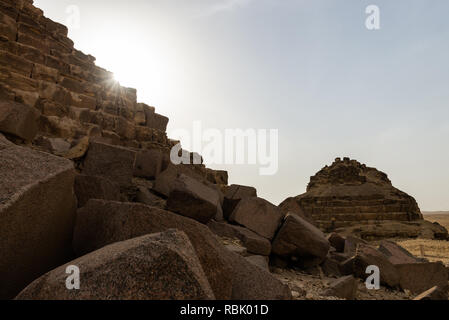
161,266
101,222
95,187
254,243
112,162
193,199
232,196
18,119
298,239
344,288
369,256
419,277
258,215
150,163
37,213
396,254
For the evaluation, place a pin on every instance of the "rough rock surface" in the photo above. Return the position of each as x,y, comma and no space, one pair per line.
150,163
18,119
337,241
254,243
258,215
112,162
396,254
298,239
95,187
345,288
232,196
369,256
419,277
193,199
349,193
259,261
102,222
161,266
37,213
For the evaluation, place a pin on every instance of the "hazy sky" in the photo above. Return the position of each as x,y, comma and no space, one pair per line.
308,68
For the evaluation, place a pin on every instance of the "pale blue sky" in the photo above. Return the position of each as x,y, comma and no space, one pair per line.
308,68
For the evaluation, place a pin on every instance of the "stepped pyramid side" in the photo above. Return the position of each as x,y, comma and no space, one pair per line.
41,68
349,193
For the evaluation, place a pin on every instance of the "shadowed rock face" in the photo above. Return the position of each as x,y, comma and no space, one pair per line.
162,266
350,193
37,213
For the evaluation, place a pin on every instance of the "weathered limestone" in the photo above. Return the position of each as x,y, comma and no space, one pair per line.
258,215
193,199
232,196
254,243
100,223
95,187
141,268
368,256
299,240
419,277
344,288
259,261
37,213
396,254
146,197
150,163
111,162
18,119
348,193
42,69
337,241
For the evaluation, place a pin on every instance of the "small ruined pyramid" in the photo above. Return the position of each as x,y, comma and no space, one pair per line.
350,193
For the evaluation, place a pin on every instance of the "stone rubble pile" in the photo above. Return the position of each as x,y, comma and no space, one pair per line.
86,180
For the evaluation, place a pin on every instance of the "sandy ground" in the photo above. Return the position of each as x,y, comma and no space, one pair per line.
433,250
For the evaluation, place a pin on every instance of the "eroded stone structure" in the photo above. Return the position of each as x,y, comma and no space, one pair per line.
40,67
350,193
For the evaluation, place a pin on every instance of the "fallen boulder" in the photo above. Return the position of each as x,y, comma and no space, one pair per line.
231,277
259,261
419,277
396,254
161,266
100,223
337,241
150,163
193,199
112,162
351,245
331,267
369,256
237,249
254,243
344,288
19,119
232,196
37,213
95,187
258,215
298,239
146,197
